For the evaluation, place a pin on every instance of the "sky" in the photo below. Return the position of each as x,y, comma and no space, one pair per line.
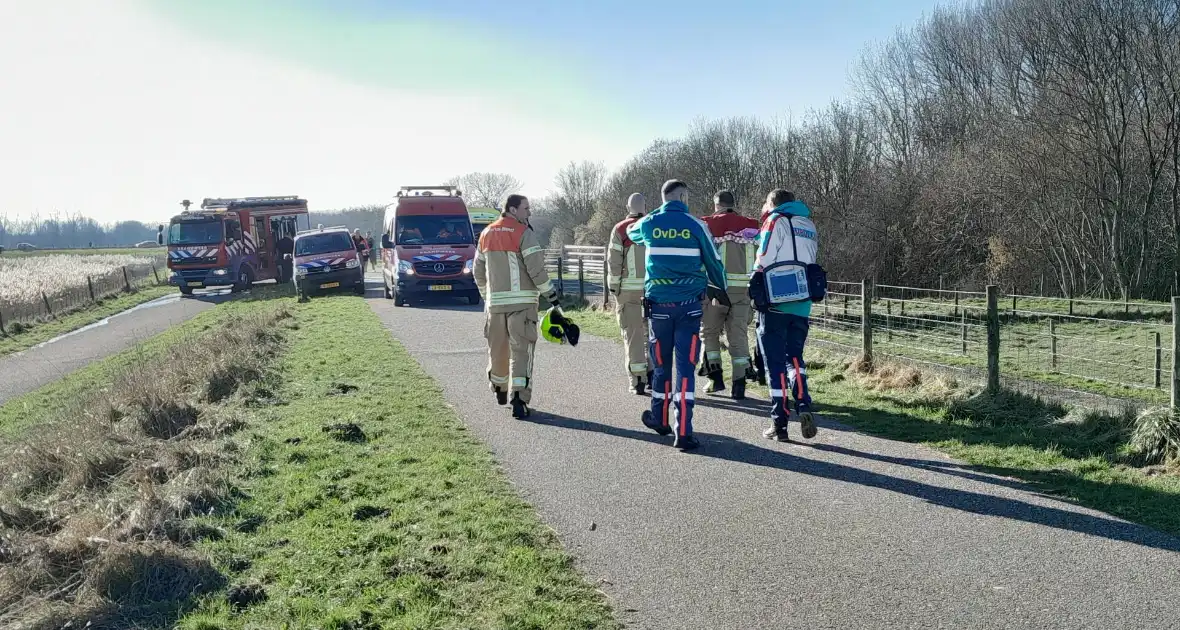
119,109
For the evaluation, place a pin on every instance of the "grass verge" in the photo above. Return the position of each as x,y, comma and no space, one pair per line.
98,501
55,399
33,334
1087,457
370,506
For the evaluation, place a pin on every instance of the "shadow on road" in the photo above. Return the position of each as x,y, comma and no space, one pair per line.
726,448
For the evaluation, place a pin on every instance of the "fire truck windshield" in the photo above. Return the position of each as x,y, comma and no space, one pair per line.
312,244
195,232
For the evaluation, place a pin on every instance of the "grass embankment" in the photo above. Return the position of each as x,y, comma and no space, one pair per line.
370,506
329,486
1091,458
30,335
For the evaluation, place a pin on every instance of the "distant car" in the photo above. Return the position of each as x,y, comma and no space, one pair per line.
26,247
146,244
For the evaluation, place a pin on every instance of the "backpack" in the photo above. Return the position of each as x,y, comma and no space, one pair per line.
787,281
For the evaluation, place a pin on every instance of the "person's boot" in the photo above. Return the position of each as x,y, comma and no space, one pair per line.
501,396
638,386
752,375
739,389
717,384
520,410
650,422
807,423
777,432
686,443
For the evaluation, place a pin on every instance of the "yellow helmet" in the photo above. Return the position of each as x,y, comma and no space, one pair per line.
556,328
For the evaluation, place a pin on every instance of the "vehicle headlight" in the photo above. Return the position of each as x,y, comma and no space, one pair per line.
469,266
404,266
352,263
301,271
220,272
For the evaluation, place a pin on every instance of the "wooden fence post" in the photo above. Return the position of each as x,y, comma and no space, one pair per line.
581,281
993,339
963,327
1159,361
957,306
940,287
1175,352
1070,296
90,285
560,278
126,281
1013,309
45,298
866,291
1052,344
2,331
888,320
155,273
845,304
1042,292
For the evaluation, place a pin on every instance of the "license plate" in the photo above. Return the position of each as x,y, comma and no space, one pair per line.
440,287
195,284
329,285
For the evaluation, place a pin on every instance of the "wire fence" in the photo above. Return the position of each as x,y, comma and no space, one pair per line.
52,304
1113,349
579,270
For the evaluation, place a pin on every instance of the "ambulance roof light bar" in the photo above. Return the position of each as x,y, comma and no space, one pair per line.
428,191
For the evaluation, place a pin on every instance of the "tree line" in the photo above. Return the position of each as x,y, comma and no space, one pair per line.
72,231
1011,141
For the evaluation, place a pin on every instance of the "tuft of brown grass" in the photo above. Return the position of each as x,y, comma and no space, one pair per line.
1156,436
97,504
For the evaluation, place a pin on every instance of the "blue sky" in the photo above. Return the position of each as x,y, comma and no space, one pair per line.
127,106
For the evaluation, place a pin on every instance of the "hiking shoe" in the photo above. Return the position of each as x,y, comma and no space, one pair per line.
808,422
717,384
752,374
686,443
650,422
501,397
777,433
739,389
520,410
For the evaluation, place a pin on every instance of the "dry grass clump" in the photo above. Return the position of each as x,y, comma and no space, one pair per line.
882,375
96,506
1156,436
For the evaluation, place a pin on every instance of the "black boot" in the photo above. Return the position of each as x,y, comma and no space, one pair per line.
686,443
638,386
650,422
718,382
501,397
520,410
739,389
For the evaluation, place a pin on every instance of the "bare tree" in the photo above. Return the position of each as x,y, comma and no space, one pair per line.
486,190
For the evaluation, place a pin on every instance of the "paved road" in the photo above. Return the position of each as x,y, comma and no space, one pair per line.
852,532
25,371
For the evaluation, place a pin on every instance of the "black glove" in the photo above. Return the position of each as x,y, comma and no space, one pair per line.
552,299
714,293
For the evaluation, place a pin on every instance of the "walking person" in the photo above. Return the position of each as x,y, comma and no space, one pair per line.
372,251
682,268
625,269
510,273
735,238
358,242
788,236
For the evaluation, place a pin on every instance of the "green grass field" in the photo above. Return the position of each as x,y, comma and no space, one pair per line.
1080,456
406,523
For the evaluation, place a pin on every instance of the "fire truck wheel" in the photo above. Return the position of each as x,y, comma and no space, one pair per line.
186,291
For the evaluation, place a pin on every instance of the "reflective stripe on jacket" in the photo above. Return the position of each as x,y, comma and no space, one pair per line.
510,266
625,258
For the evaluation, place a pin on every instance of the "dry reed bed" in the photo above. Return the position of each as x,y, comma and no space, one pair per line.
96,506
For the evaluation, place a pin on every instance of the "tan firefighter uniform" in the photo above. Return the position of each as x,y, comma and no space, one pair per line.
625,268
510,274
736,239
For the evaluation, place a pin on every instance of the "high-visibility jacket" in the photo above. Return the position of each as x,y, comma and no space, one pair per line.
736,239
625,258
681,258
510,267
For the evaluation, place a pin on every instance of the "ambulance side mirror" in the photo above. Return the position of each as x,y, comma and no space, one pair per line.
160,235
385,242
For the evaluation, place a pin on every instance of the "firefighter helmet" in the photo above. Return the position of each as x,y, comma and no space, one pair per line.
556,328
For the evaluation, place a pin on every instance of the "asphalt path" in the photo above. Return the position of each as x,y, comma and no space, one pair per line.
42,364
851,531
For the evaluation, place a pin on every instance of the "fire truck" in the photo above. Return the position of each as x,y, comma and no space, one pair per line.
232,242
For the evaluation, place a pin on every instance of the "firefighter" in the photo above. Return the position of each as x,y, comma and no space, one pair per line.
625,261
510,274
735,237
682,268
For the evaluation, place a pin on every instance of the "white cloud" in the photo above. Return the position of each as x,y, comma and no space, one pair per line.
114,113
